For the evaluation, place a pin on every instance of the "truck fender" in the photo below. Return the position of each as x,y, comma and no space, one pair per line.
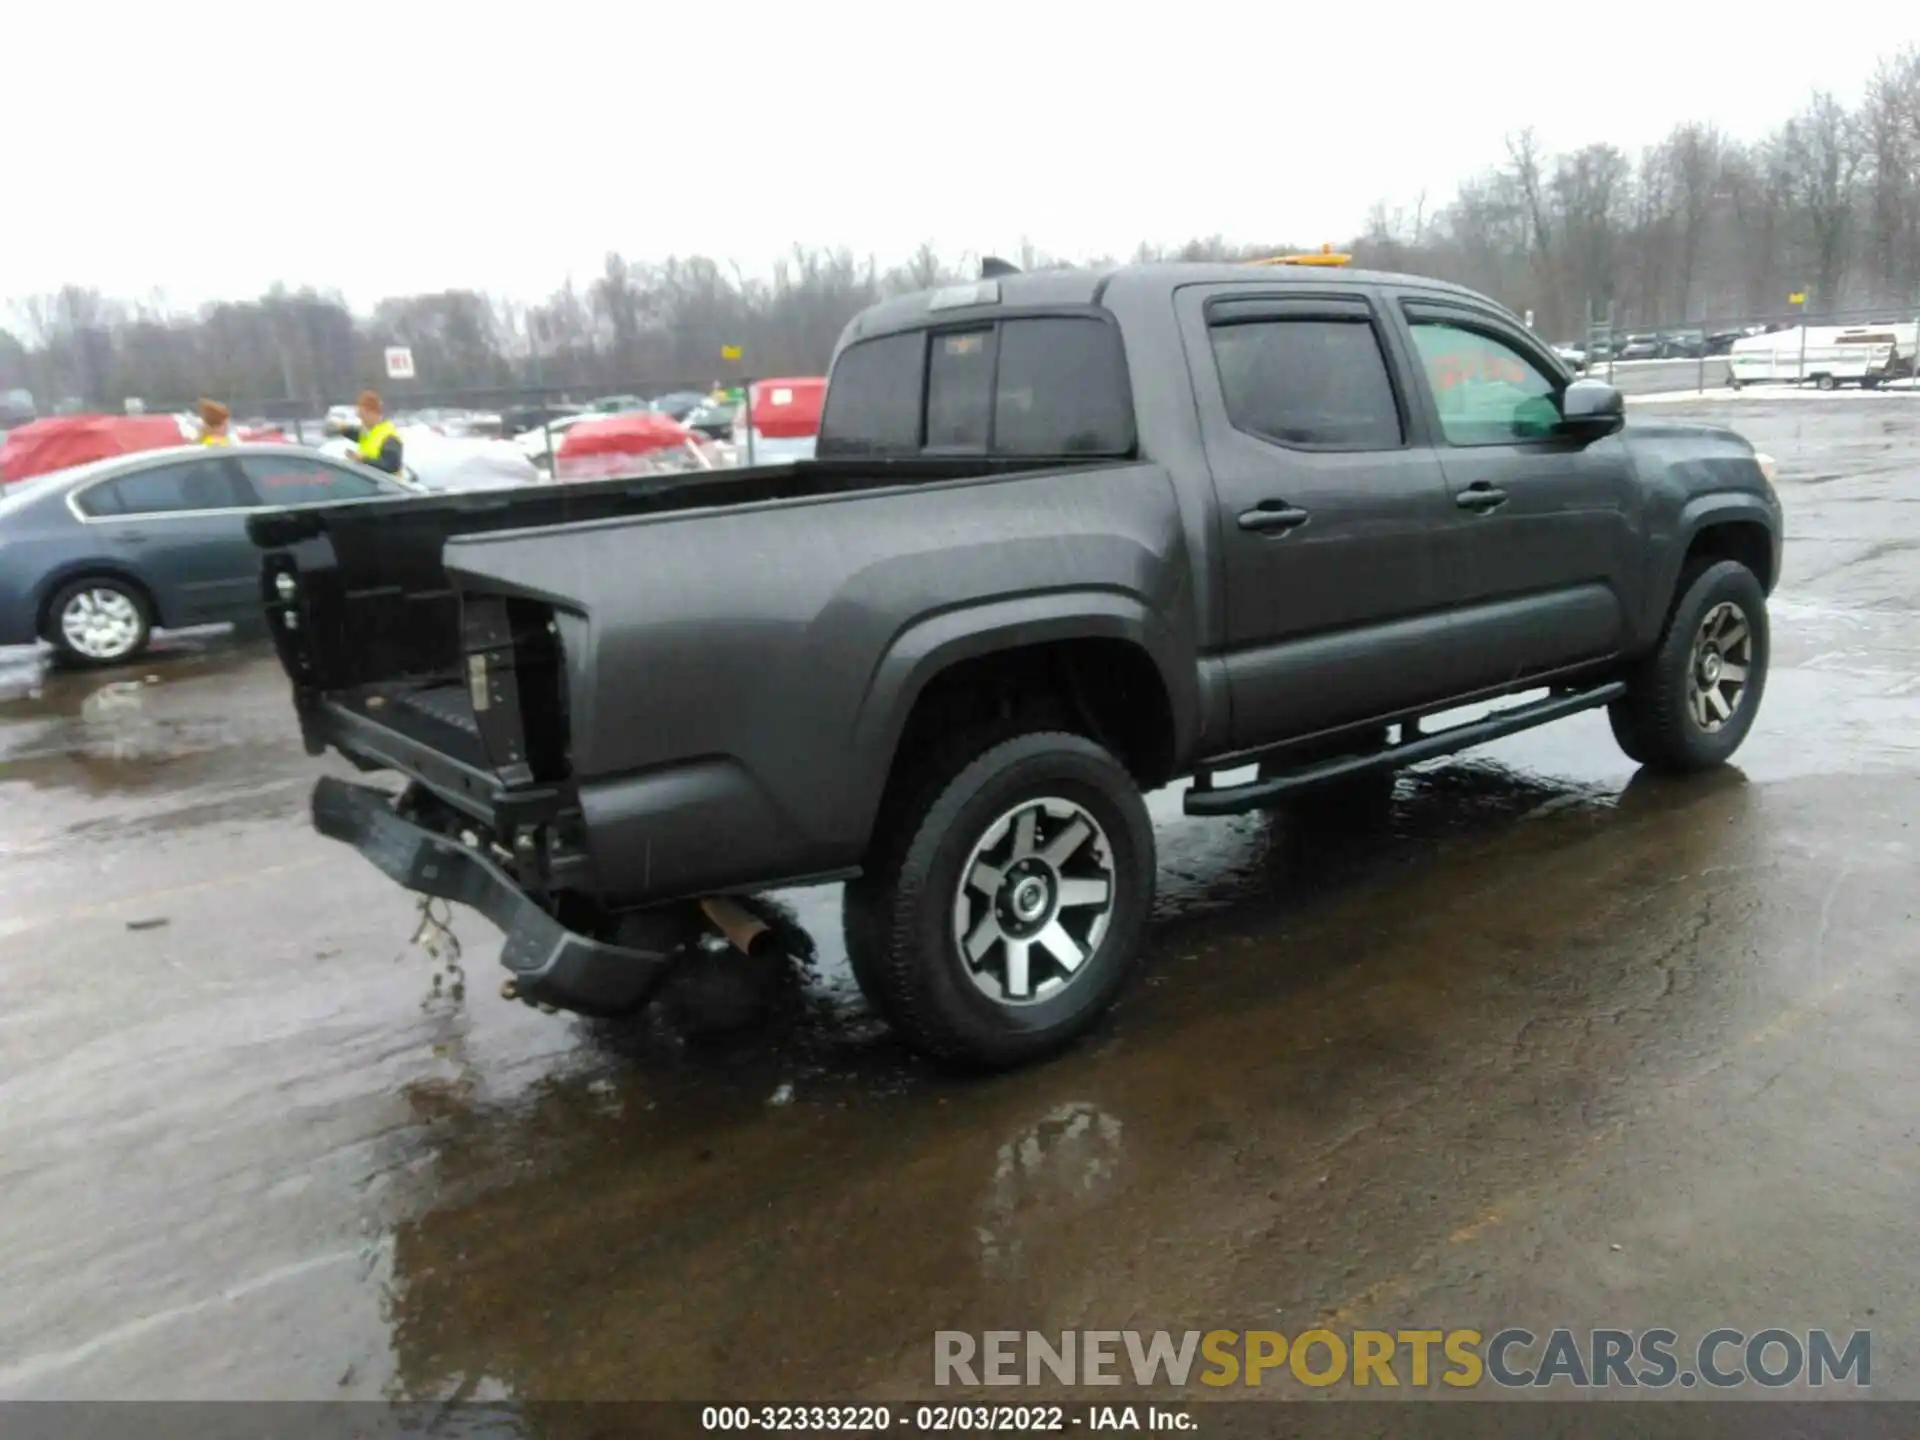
931,644
1700,513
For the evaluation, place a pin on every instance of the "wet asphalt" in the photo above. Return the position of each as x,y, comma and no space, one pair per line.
1556,1044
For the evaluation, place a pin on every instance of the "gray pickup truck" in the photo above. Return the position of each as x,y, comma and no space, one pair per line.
1068,537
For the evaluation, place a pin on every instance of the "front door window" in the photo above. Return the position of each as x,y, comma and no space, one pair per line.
1487,392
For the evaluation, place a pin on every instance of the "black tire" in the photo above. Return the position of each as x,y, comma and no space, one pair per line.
1656,722
1625,735
900,916
101,587
1824,382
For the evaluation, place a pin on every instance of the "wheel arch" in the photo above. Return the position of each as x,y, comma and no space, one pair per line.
1728,525
59,578
1089,649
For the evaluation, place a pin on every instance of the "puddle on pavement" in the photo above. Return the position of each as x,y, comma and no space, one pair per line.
199,714
34,683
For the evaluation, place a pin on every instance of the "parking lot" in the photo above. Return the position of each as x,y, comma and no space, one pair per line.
1558,1045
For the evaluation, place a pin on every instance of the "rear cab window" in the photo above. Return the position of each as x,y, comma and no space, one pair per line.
1036,386
960,390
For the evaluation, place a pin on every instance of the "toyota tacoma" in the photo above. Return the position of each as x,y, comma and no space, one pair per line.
1067,538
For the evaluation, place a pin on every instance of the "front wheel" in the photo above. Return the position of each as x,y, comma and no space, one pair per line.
99,621
1009,913
1691,702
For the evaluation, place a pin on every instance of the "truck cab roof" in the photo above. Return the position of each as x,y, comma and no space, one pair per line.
1067,289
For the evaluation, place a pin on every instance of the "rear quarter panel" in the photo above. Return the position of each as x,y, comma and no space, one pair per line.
739,677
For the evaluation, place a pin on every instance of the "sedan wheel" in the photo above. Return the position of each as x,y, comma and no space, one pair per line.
99,622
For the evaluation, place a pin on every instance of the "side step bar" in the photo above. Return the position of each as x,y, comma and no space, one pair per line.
1238,799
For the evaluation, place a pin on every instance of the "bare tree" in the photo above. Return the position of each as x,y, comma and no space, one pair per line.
1589,193
1890,139
1693,164
1823,157
1526,176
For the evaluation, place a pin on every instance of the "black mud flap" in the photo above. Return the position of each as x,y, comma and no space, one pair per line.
550,964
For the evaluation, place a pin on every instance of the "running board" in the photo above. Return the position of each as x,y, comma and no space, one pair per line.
1238,799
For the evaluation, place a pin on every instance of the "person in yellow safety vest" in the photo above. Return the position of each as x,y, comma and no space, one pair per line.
376,442
215,427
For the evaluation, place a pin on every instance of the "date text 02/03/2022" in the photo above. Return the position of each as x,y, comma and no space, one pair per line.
942,1419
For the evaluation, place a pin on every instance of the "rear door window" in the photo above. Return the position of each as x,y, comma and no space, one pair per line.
1309,381
296,479
167,490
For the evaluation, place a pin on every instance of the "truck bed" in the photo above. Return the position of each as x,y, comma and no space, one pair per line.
375,594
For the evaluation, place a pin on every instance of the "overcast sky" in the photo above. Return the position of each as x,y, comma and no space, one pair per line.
209,150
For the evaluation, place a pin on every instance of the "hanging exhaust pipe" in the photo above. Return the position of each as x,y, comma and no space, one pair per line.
744,930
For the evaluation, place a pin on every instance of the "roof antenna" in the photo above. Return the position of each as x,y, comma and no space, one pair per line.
993,267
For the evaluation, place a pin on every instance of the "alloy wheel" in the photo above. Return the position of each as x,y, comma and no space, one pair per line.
101,623
1721,661
1034,901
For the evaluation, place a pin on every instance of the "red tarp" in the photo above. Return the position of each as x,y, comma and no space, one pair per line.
61,441
603,448
262,435
788,409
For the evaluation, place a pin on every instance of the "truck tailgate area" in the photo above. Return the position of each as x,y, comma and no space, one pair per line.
438,714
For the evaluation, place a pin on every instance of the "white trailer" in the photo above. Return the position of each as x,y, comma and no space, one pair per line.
1825,355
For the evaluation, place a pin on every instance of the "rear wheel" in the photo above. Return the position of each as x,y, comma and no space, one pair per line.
1824,382
1009,892
100,620
1691,702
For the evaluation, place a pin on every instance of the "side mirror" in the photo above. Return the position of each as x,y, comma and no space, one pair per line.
1590,409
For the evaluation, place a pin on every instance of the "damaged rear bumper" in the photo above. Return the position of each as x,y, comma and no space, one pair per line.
549,963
